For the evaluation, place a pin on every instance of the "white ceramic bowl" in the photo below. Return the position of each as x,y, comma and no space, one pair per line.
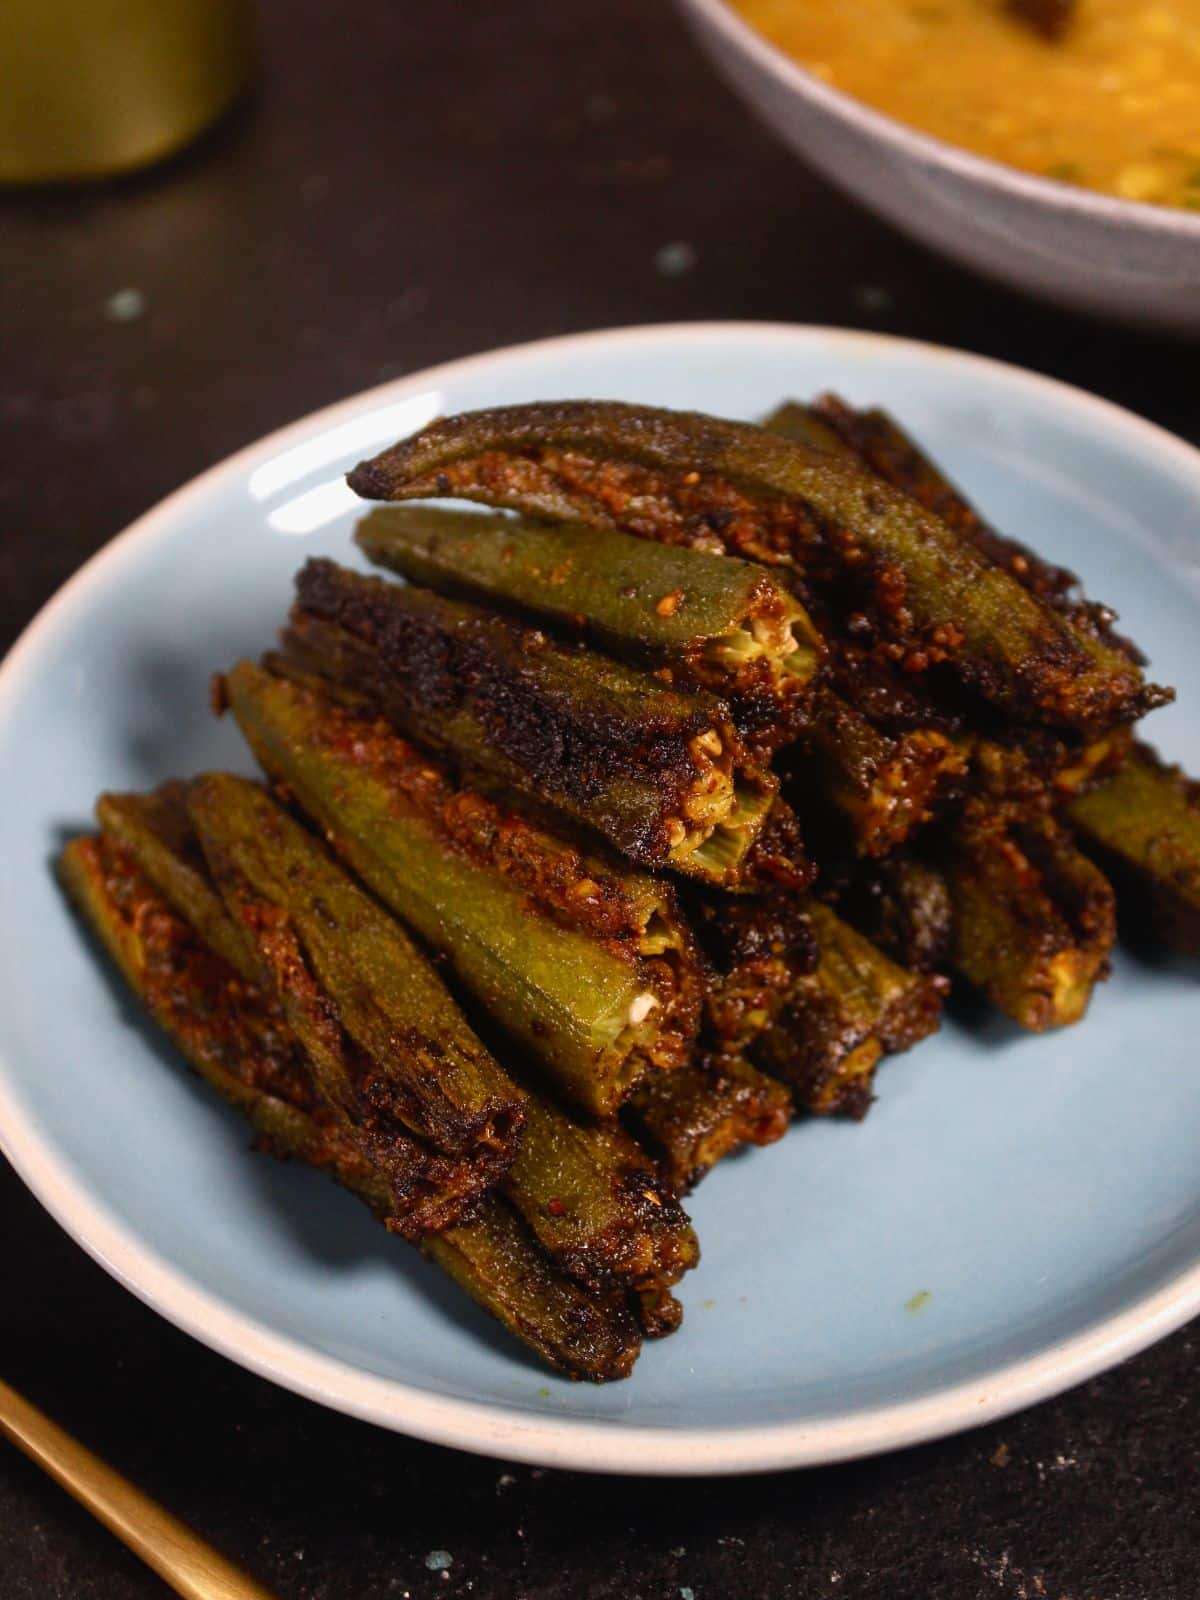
1090,251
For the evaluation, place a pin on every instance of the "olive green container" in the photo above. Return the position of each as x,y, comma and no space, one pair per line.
93,88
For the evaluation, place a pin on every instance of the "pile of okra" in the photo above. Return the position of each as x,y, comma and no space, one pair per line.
655,806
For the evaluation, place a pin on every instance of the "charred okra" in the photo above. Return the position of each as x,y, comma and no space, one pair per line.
877,442
757,946
841,1018
588,967
927,596
389,1048
598,1207
883,786
1143,826
1033,919
902,904
697,1116
236,1038
585,1333
233,1031
660,773
590,1197
721,623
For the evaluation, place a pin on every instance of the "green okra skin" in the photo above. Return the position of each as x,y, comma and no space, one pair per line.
660,773
876,441
838,1020
525,925
683,478
596,1204
585,1333
724,623
238,1038
342,966
594,1012
805,425
244,1051
1033,920
157,832
1143,826
696,1117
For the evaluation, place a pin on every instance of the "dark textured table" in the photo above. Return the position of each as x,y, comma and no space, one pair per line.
407,185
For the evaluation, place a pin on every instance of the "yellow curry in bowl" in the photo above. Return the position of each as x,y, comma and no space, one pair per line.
1112,102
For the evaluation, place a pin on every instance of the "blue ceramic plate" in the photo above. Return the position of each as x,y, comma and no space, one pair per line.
1016,1213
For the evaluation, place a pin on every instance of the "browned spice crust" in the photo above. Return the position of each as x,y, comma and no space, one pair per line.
694,1118
577,748
489,662
555,875
902,904
662,475
757,946
887,450
245,1037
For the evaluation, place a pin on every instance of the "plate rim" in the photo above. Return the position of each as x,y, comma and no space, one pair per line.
496,1428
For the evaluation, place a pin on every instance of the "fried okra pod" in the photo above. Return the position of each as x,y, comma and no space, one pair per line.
390,1049
658,772
1034,920
1143,826
588,966
236,1038
878,442
902,904
838,1020
428,1189
720,623
756,947
696,1117
597,1205
589,1195
883,786
928,596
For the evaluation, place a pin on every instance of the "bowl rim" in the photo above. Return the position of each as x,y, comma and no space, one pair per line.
493,1428
1050,194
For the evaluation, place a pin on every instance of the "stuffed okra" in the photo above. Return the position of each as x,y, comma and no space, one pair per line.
837,1021
877,442
587,966
696,1117
422,1067
883,786
591,1198
429,1188
756,946
661,773
1033,919
926,596
723,624
597,1204
237,1039
1143,826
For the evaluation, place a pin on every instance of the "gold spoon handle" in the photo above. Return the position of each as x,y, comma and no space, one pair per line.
191,1567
